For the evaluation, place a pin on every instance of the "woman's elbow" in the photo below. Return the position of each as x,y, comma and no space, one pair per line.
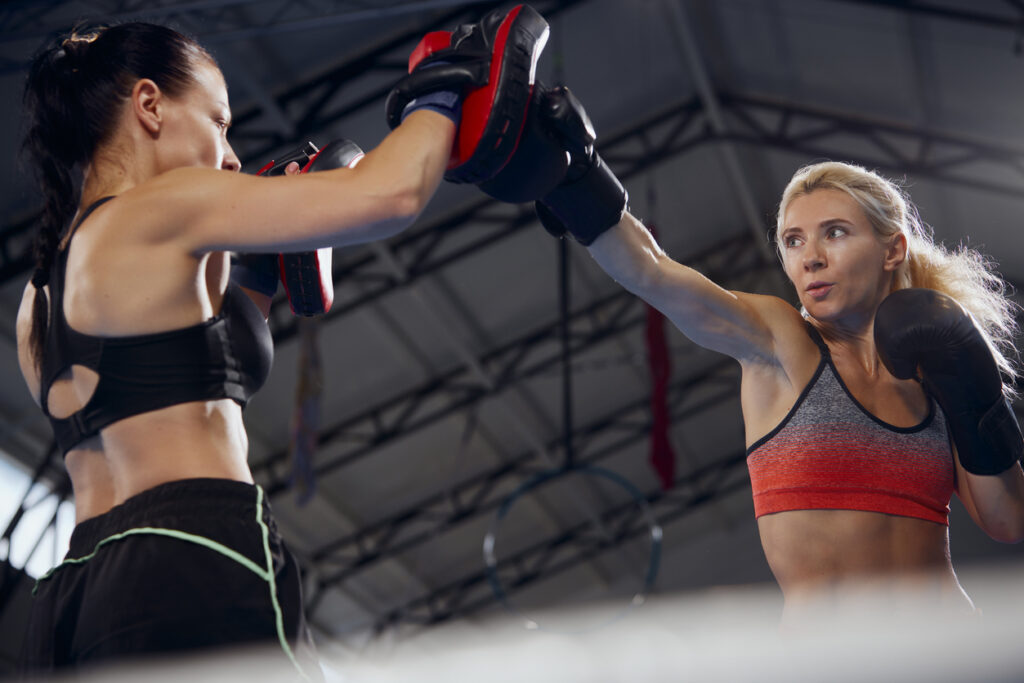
1010,531
405,202
411,203
393,212
1008,539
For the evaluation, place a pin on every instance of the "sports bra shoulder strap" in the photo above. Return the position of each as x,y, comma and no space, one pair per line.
818,341
85,214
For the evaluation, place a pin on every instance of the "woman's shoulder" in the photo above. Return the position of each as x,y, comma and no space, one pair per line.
787,330
772,384
152,211
790,357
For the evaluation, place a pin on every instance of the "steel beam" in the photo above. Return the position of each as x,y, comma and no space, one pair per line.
567,549
755,120
482,493
530,355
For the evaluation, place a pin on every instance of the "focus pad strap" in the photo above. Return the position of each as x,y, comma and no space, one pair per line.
340,153
456,77
301,155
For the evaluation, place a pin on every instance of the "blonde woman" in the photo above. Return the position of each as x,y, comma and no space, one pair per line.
852,466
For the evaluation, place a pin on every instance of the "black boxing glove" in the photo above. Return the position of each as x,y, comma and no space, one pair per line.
557,165
927,330
590,199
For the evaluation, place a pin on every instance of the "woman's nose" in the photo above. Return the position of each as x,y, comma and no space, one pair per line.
231,161
814,257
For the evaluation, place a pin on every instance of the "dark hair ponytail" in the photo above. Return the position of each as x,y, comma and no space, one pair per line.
73,96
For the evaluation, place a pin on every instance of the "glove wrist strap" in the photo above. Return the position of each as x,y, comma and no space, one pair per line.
587,207
1001,438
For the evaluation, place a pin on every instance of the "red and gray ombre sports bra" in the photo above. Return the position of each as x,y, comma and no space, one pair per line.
227,356
829,452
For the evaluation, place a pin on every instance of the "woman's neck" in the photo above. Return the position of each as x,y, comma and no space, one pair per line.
113,170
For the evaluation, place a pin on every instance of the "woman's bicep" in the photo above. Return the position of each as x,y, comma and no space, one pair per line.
379,197
210,210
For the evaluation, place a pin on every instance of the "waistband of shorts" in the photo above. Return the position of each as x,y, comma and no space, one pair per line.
199,497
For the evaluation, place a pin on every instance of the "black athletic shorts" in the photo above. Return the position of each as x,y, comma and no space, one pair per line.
184,566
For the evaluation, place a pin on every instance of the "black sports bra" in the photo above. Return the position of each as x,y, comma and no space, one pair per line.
227,356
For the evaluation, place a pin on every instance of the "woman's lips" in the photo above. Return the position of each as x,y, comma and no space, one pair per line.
819,290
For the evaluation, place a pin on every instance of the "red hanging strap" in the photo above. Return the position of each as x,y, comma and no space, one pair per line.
661,456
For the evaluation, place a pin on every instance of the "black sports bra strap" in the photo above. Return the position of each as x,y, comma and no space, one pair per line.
818,341
85,214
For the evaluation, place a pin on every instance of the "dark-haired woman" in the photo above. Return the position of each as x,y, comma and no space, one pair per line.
141,351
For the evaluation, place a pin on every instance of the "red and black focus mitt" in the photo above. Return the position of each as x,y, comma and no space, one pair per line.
307,276
493,62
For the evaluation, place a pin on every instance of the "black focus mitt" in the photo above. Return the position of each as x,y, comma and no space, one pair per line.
556,163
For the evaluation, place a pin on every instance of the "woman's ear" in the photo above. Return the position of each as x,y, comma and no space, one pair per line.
147,105
896,253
